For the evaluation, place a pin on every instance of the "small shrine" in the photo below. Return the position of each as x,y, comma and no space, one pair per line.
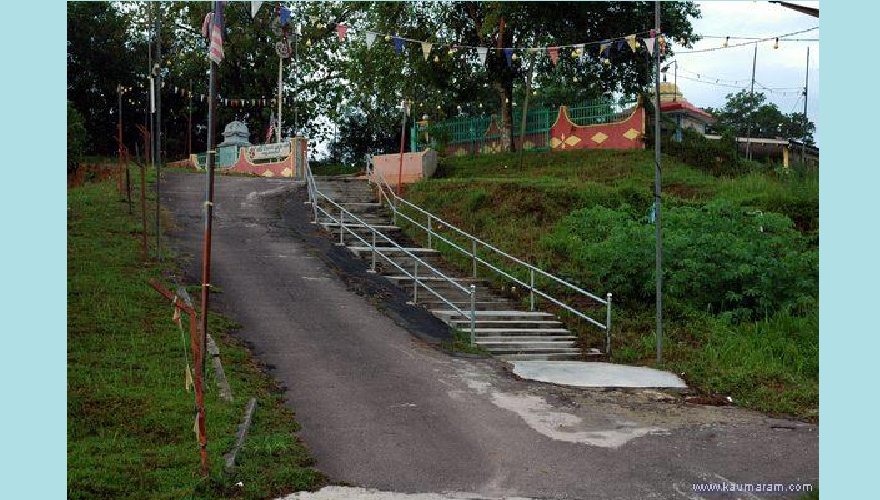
235,134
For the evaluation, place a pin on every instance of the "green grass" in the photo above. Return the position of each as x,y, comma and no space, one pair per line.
130,419
769,364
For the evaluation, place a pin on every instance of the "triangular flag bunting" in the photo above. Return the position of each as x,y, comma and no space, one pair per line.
341,30
649,44
482,52
188,379
633,44
620,45
508,53
579,48
255,6
604,48
371,37
285,15
426,49
398,44
553,52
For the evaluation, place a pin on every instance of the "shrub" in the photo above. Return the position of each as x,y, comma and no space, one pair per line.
717,258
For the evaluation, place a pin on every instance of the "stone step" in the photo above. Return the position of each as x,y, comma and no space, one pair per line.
541,357
534,350
495,339
495,314
523,331
507,323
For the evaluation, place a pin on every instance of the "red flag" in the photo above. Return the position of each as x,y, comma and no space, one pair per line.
216,51
341,29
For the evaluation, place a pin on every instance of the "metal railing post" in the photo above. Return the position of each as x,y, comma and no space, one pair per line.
473,314
532,290
608,325
341,227
474,255
394,211
429,231
416,284
373,257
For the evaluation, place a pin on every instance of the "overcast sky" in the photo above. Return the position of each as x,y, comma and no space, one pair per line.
784,67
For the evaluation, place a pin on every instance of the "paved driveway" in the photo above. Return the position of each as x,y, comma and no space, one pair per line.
383,408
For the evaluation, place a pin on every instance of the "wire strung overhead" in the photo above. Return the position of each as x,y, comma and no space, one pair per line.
727,45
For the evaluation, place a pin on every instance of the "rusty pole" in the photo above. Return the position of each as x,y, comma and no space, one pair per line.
142,168
209,198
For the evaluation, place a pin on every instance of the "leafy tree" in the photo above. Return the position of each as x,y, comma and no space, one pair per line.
100,57
766,118
446,84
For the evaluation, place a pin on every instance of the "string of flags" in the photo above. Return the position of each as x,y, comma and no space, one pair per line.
604,49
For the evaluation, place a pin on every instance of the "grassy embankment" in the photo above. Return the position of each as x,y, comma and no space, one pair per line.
742,280
130,419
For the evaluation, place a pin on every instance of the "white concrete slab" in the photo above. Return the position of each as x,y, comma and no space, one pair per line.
596,374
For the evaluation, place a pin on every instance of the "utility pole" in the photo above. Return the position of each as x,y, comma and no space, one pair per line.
157,137
658,235
806,121
189,121
751,111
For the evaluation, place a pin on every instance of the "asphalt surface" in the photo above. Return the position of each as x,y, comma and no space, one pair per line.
382,407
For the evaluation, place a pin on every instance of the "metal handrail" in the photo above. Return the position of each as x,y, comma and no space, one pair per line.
395,203
314,195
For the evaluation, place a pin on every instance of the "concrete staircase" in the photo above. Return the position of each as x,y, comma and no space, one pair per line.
502,328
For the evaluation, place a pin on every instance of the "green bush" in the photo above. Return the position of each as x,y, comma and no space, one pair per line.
719,258
76,137
715,156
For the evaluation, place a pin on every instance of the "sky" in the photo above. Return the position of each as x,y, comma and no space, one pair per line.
784,67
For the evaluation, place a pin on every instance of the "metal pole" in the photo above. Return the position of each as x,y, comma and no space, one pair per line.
402,134
373,256
474,256
158,129
341,225
806,122
429,231
532,290
608,325
278,129
473,313
657,191
189,122
416,283
209,200
751,111
142,167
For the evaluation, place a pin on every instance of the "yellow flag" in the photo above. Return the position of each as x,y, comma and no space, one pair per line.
188,379
633,44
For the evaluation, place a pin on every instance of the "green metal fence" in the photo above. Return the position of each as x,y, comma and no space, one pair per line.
472,135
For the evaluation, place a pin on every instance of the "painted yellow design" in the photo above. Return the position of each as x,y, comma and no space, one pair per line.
528,145
599,137
572,140
287,172
631,133
555,143
268,173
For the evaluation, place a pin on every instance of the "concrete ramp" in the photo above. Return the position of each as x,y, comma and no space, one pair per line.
596,374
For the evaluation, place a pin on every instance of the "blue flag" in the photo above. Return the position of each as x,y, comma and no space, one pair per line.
398,44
